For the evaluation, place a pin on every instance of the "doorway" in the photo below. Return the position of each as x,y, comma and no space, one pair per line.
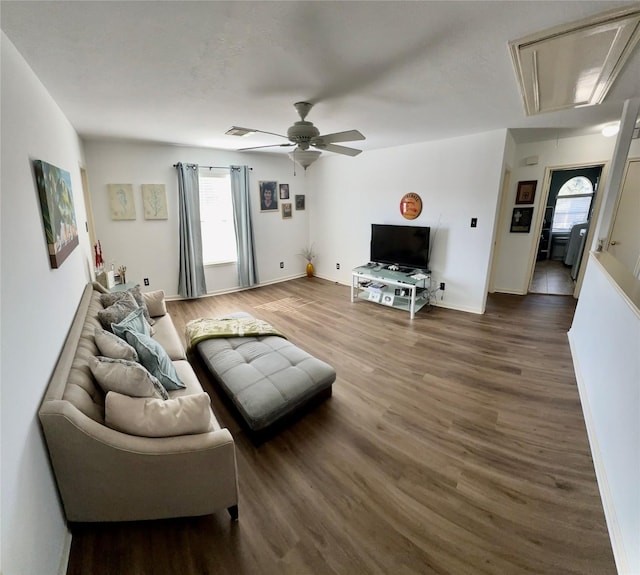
563,236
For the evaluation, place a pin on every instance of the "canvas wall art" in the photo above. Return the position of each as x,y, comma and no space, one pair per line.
58,211
121,202
154,202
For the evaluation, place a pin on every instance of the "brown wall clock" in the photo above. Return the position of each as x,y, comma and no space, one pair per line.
410,206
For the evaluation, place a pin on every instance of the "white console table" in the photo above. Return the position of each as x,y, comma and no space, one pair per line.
406,290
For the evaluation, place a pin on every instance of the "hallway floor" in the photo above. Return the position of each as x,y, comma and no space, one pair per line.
552,277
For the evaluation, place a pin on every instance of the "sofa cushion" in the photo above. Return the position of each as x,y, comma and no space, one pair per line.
150,417
117,312
126,377
110,345
168,337
155,359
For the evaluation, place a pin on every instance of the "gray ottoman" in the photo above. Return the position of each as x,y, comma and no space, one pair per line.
269,380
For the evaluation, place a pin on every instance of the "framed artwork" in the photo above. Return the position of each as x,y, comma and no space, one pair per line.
268,196
286,210
521,220
121,202
58,211
300,202
154,202
284,191
526,192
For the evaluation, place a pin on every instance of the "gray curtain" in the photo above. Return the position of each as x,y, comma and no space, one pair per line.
247,269
191,282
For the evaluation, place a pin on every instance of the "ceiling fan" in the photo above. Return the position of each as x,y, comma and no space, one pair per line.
304,134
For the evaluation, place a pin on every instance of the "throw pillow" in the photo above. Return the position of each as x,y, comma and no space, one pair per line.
137,295
133,322
153,356
146,417
116,313
155,302
127,377
134,292
110,345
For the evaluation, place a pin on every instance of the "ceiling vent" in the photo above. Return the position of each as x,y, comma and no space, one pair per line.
574,65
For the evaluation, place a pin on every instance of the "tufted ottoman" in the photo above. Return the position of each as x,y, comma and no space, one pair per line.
269,380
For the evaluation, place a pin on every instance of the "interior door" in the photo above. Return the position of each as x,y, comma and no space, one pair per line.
624,241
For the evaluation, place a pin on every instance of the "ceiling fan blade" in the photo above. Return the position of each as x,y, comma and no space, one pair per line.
339,149
238,131
272,133
348,136
269,146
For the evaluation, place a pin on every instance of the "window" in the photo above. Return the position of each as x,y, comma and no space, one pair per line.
573,204
216,218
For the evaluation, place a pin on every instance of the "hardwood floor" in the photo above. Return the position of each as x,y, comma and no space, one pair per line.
453,443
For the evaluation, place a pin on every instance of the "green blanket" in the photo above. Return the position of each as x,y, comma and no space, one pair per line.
198,330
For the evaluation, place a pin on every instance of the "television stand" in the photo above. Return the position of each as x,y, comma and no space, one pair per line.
403,290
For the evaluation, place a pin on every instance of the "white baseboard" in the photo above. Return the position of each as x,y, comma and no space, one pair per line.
615,535
66,551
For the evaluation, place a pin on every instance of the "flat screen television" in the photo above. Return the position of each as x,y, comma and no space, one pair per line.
404,246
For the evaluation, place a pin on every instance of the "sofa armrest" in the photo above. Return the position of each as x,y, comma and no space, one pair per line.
106,475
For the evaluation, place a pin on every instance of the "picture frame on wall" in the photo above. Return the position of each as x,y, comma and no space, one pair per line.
526,192
121,202
268,196
154,201
58,211
286,210
300,202
284,191
521,220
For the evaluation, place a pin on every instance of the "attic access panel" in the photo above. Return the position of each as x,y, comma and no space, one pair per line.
574,65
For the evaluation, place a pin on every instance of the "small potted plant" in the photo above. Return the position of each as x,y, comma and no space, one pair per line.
309,255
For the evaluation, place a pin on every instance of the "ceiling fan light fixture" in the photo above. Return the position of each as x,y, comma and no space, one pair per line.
237,131
304,157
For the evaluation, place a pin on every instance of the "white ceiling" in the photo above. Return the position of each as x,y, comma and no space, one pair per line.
400,72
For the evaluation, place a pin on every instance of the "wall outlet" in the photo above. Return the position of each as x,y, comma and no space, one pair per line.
281,265
442,286
146,281
337,266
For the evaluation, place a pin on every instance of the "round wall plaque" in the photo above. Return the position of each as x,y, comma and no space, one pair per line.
410,206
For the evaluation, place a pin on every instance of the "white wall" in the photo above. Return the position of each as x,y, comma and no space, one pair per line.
38,304
457,179
513,263
605,343
150,248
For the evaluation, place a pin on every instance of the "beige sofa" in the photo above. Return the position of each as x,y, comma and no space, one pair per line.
106,475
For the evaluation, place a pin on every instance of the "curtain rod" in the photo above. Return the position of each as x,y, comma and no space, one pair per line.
213,167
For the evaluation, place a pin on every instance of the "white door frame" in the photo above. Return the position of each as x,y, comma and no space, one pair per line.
548,172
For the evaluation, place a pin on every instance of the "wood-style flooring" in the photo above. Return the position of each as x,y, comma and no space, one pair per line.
453,444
